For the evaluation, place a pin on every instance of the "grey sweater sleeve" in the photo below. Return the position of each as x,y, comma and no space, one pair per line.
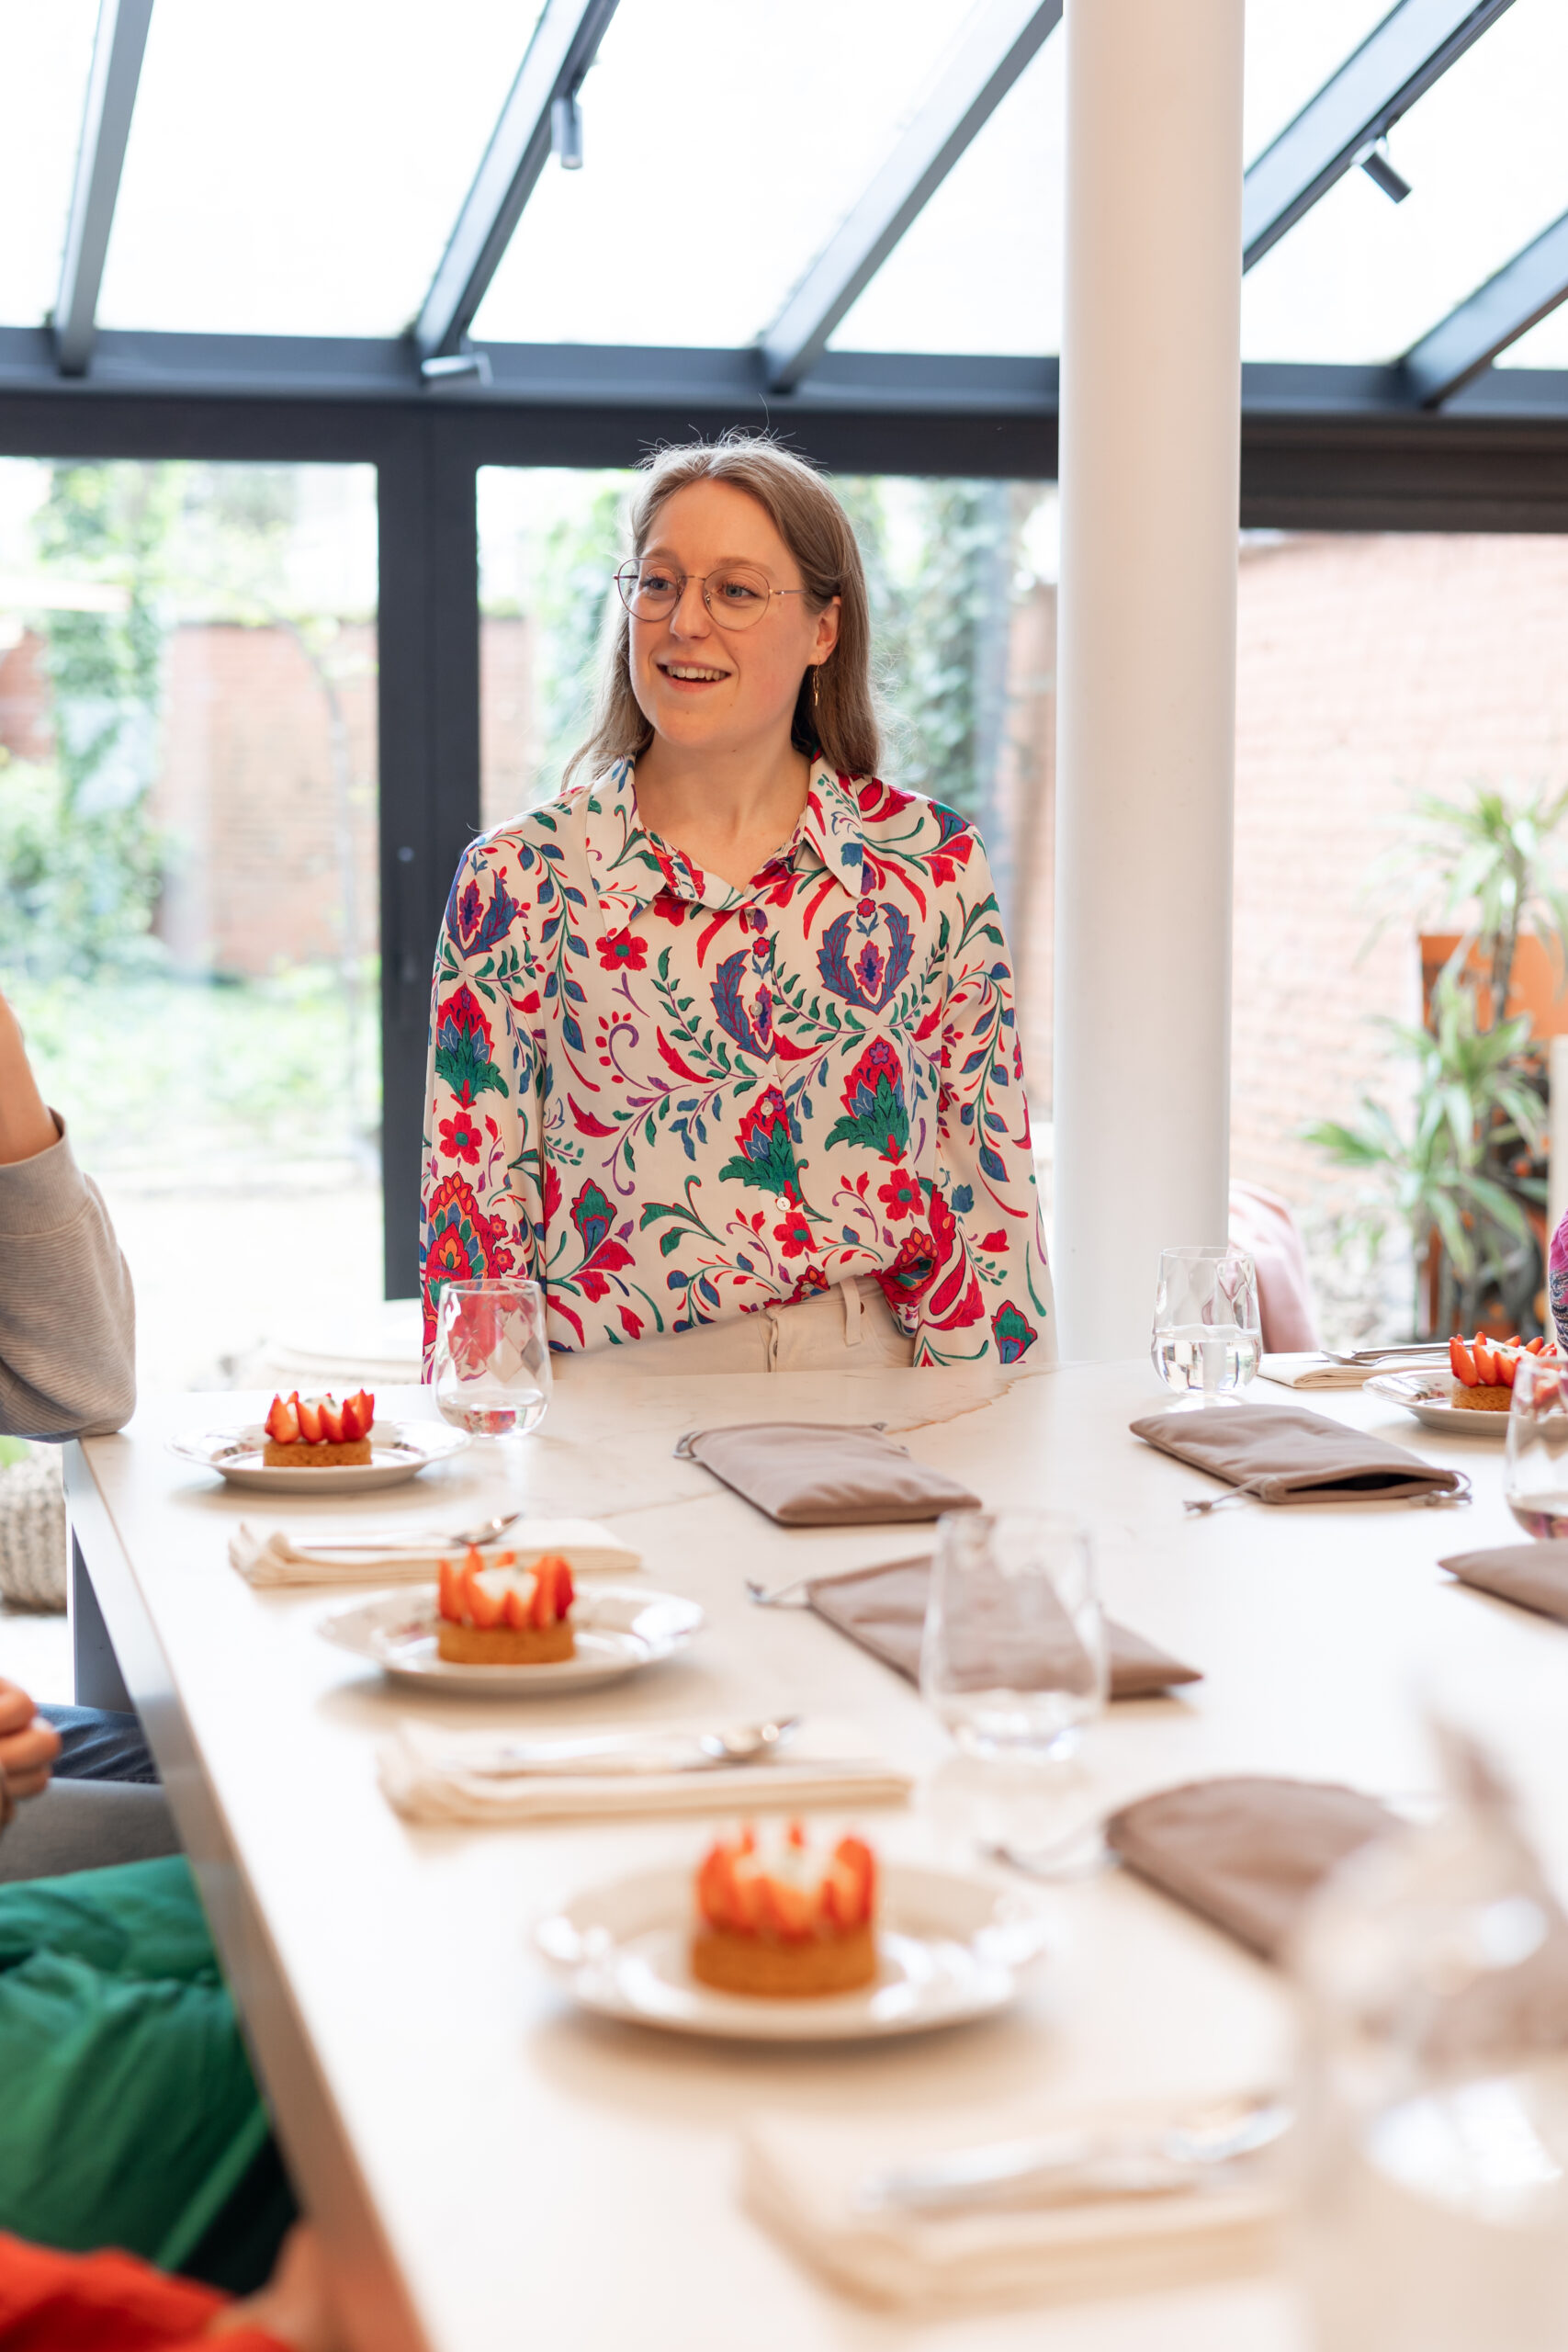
67,1316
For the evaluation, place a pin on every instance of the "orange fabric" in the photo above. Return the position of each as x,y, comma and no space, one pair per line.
106,2303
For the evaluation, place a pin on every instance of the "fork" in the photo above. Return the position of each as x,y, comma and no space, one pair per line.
489,1531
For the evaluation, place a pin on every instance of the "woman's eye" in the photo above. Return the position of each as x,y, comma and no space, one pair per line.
738,592
656,583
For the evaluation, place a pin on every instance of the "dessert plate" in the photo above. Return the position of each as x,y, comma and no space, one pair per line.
398,1450
1425,1393
619,1628
951,1945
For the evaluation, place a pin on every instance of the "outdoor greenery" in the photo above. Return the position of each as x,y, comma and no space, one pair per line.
1466,1172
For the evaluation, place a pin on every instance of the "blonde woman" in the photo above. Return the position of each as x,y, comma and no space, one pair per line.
723,1048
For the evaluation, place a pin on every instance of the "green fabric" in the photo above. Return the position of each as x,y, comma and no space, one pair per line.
128,2114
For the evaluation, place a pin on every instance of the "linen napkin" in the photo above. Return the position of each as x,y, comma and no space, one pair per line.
885,1611
800,2175
1534,1574
396,1554
1314,1372
804,1474
422,1775
1246,1854
1282,1454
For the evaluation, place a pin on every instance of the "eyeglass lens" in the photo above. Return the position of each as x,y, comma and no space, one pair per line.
736,595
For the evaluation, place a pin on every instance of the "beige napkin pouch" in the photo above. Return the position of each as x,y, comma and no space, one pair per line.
885,1611
1533,1576
802,1474
1282,1454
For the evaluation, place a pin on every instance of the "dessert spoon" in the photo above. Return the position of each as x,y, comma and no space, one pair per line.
416,1539
631,1752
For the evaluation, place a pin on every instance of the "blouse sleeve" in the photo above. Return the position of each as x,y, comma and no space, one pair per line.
482,1199
991,1293
1556,1282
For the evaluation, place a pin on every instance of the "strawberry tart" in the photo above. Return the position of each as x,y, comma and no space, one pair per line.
1483,1369
317,1433
781,1920
506,1615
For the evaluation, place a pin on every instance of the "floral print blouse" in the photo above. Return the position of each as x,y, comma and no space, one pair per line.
672,1101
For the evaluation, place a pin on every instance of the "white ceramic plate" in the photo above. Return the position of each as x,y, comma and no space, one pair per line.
398,1450
1425,1393
951,1945
619,1628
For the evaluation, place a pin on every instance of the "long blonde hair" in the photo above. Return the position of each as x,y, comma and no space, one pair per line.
834,714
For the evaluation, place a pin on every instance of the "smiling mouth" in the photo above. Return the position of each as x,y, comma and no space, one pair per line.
691,673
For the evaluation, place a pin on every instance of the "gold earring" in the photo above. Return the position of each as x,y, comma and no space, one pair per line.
816,688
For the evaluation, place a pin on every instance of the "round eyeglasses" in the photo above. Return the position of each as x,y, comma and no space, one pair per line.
736,594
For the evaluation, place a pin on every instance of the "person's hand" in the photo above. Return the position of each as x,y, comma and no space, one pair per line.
296,2305
27,1124
27,1745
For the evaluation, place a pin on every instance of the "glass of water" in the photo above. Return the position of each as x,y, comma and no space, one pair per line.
1014,1658
1534,1481
1208,1332
490,1369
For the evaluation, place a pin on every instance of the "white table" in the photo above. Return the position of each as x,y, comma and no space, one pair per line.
492,2168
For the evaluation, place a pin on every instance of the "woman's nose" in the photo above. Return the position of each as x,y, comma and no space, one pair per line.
690,617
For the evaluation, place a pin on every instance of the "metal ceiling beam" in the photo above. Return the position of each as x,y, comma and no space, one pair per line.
999,46
1488,320
112,77
1397,63
566,41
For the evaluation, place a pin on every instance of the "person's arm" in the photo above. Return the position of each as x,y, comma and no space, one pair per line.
67,1316
989,1295
482,1205
113,2303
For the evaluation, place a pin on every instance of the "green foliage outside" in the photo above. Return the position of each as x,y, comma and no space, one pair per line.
1468,1164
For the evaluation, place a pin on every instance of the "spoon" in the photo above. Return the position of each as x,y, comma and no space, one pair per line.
628,1752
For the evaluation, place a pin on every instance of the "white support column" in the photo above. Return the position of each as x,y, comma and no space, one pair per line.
1151,381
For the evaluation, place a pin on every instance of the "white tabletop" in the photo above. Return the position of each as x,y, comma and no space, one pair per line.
494,2167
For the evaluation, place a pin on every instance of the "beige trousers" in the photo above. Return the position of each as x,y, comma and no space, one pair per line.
849,1328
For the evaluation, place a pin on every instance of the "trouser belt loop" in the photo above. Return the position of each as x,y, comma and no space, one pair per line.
853,1334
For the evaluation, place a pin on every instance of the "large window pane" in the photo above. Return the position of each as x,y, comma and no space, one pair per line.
1360,279
188,914
722,146
961,576
296,169
44,54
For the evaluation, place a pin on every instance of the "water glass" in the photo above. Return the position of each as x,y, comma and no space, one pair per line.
1535,1480
1208,1332
491,1363
1014,1658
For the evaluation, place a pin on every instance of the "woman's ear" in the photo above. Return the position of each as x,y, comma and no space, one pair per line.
827,632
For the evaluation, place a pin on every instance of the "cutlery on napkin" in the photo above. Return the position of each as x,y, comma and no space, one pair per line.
1325,1370
431,1775
816,2182
322,1555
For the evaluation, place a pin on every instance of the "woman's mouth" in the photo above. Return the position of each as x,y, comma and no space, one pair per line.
691,676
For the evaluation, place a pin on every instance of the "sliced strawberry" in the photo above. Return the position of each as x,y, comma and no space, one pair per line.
452,1592
358,1412
1485,1363
855,1858
1463,1366
515,1609
482,1608
310,1412
795,1834
716,1895
1507,1367
566,1592
282,1422
331,1421
552,1590
788,1911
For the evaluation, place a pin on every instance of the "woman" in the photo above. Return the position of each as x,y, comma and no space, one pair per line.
723,1047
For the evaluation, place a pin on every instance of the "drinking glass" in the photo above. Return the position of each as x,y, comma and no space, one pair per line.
1014,1656
1534,1481
1208,1333
491,1363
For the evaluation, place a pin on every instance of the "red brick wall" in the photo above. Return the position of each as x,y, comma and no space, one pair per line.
24,699
1369,669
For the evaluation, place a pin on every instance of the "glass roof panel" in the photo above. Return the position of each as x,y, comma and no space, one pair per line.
1290,52
770,121
44,56
981,268
1546,345
1361,278
296,169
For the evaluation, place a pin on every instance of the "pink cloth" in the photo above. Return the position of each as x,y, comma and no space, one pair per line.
1557,1281
1262,1225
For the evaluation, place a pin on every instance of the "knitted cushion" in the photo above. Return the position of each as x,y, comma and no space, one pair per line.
32,1531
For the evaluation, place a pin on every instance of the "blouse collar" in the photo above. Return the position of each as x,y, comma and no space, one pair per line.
632,866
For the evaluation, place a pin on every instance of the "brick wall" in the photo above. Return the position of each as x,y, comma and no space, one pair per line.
24,699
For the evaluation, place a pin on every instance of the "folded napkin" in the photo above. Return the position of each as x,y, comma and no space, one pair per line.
1282,1454
423,1775
885,1611
1535,1574
800,2175
396,1554
1246,1854
804,1474
1314,1372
